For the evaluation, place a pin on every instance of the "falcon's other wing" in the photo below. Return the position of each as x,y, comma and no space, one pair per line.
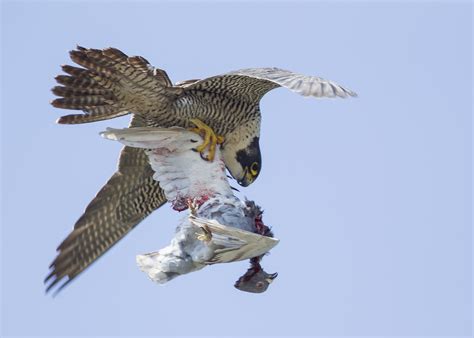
181,171
127,198
236,244
252,83
111,84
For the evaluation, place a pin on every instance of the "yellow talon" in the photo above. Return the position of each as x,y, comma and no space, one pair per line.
210,138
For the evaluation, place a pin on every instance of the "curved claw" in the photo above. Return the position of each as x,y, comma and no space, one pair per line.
211,140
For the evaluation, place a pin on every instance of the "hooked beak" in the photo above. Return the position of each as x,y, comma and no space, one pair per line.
247,179
271,277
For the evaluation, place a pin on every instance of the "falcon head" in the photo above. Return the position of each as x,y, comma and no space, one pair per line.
255,280
243,159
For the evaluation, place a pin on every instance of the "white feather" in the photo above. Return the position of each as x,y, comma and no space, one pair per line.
184,175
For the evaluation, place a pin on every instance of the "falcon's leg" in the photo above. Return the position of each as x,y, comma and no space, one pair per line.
210,138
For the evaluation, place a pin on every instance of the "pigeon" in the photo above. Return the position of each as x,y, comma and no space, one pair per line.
220,227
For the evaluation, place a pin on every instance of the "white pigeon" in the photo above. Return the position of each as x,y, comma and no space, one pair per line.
220,227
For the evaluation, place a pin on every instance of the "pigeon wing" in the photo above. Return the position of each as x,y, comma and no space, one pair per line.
179,168
234,244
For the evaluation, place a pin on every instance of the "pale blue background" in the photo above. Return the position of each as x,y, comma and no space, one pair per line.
371,197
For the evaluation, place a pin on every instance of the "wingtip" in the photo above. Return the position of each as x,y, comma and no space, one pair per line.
109,134
56,284
50,290
51,284
48,277
59,289
347,93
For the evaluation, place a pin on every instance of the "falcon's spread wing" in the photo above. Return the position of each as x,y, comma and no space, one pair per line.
111,84
236,244
127,198
182,173
252,83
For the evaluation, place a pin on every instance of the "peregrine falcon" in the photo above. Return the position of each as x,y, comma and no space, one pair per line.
224,107
220,228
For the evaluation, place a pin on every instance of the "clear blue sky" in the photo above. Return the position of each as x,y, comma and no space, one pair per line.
370,197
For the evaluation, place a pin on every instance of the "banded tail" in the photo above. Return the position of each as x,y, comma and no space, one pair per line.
109,85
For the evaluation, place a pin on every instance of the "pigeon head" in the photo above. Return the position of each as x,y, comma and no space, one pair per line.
255,280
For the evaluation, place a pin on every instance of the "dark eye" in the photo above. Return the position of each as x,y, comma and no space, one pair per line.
254,168
259,285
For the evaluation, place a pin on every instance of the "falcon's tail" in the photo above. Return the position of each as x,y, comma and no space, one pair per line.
111,84
164,265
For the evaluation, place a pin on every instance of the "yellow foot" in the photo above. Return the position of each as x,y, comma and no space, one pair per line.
210,138
206,236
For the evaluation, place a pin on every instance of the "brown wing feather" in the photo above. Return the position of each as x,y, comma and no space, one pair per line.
127,198
251,84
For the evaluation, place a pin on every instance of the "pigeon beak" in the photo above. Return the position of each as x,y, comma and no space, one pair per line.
271,277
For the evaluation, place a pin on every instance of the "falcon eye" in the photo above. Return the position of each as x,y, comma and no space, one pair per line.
254,168
259,285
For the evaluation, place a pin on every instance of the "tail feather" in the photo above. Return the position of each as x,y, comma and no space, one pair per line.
82,59
109,85
81,102
95,114
76,82
80,92
163,266
75,71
